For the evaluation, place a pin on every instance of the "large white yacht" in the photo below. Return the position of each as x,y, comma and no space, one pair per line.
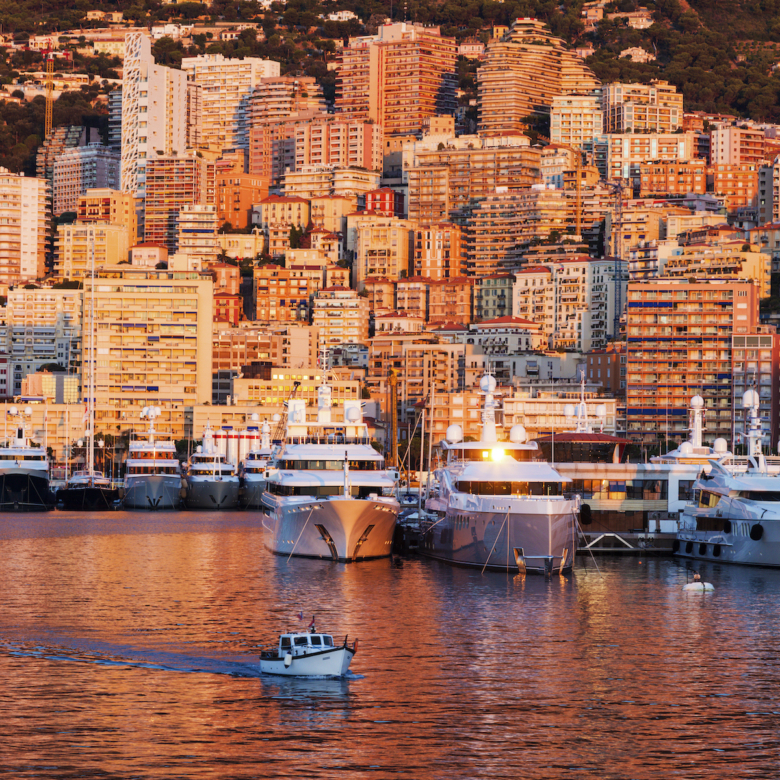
24,468
253,470
735,514
152,471
500,506
329,494
212,482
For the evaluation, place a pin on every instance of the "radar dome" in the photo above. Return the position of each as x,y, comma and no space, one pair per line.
686,448
697,402
199,448
568,410
255,417
144,411
720,446
353,414
749,398
601,410
487,384
277,417
454,434
517,434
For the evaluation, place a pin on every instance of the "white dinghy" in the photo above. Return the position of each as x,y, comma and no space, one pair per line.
308,654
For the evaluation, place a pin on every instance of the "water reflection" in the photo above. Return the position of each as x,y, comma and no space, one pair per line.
128,646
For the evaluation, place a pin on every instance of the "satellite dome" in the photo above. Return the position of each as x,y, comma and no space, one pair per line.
454,434
353,414
568,410
686,448
517,434
254,417
601,410
720,446
277,417
749,399
487,384
697,402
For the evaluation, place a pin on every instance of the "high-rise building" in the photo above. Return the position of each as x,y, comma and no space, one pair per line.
398,77
236,194
672,177
314,181
276,99
197,244
437,251
328,141
61,138
733,145
656,107
521,73
172,182
154,111
81,168
76,242
576,120
112,206
153,329
24,227
280,295
383,248
341,316
679,342
227,85
618,156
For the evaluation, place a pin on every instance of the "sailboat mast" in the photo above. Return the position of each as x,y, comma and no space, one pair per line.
91,378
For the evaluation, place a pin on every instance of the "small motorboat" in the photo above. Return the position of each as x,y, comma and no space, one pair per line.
308,654
409,499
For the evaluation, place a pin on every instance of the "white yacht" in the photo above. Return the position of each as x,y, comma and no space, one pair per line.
329,494
499,505
735,514
253,470
212,482
24,468
152,471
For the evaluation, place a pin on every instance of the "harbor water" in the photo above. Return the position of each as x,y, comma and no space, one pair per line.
128,643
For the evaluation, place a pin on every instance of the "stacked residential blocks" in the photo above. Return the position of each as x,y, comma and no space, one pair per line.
239,230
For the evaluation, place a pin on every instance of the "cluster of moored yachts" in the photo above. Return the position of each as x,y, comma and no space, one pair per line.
323,491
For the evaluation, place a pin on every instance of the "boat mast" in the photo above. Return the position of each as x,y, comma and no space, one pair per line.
91,378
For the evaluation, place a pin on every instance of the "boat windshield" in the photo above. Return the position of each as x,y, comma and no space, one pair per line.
767,496
485,454
511,488
331,465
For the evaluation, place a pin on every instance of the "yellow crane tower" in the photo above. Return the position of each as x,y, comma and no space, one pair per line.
49,57
393,418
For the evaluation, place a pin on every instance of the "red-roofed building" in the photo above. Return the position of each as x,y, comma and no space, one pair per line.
385,201
399,322
227,278
228,308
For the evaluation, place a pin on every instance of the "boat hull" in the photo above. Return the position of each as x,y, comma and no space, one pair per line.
152,491
332,663
735,547
25,490
540,538
252,493
88,499
340,529
217,495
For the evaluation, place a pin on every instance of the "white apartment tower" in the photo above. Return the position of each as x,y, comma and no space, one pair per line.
197,236
227,86
154,111
24,224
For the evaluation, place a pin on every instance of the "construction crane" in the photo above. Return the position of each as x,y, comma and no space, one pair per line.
393,418
617,222
279,432
48,56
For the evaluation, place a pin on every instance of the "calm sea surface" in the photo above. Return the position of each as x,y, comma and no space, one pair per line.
127,650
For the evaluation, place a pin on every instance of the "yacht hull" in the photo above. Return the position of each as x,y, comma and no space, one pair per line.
206,494
252,493
735,547
326,663
339,529
151,491
542,541
88,499
25,490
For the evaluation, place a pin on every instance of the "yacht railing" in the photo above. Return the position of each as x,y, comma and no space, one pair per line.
328,439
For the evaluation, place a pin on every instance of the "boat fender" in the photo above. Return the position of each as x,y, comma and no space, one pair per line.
699,587
287,660
183,492
727,526
756,532
354,647
676,546
586,517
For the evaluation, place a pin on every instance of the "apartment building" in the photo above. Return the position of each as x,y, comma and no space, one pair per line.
572,298
152,328
272,144
236,194
154,111
329,212
276,99
228,85
411,297
619,156
173,182
522,72
79,169
42,325
656,107
341,316
24,228
317,181
734,145
280,295
112,206
343,143
679,341
270,394
385,201
450,300
664,177
769,192
242,245
607,367
438,251
282,210
493,296
383,248
60,140
736,183
197,244
398,77
77,241
576,120
441,181
380,294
